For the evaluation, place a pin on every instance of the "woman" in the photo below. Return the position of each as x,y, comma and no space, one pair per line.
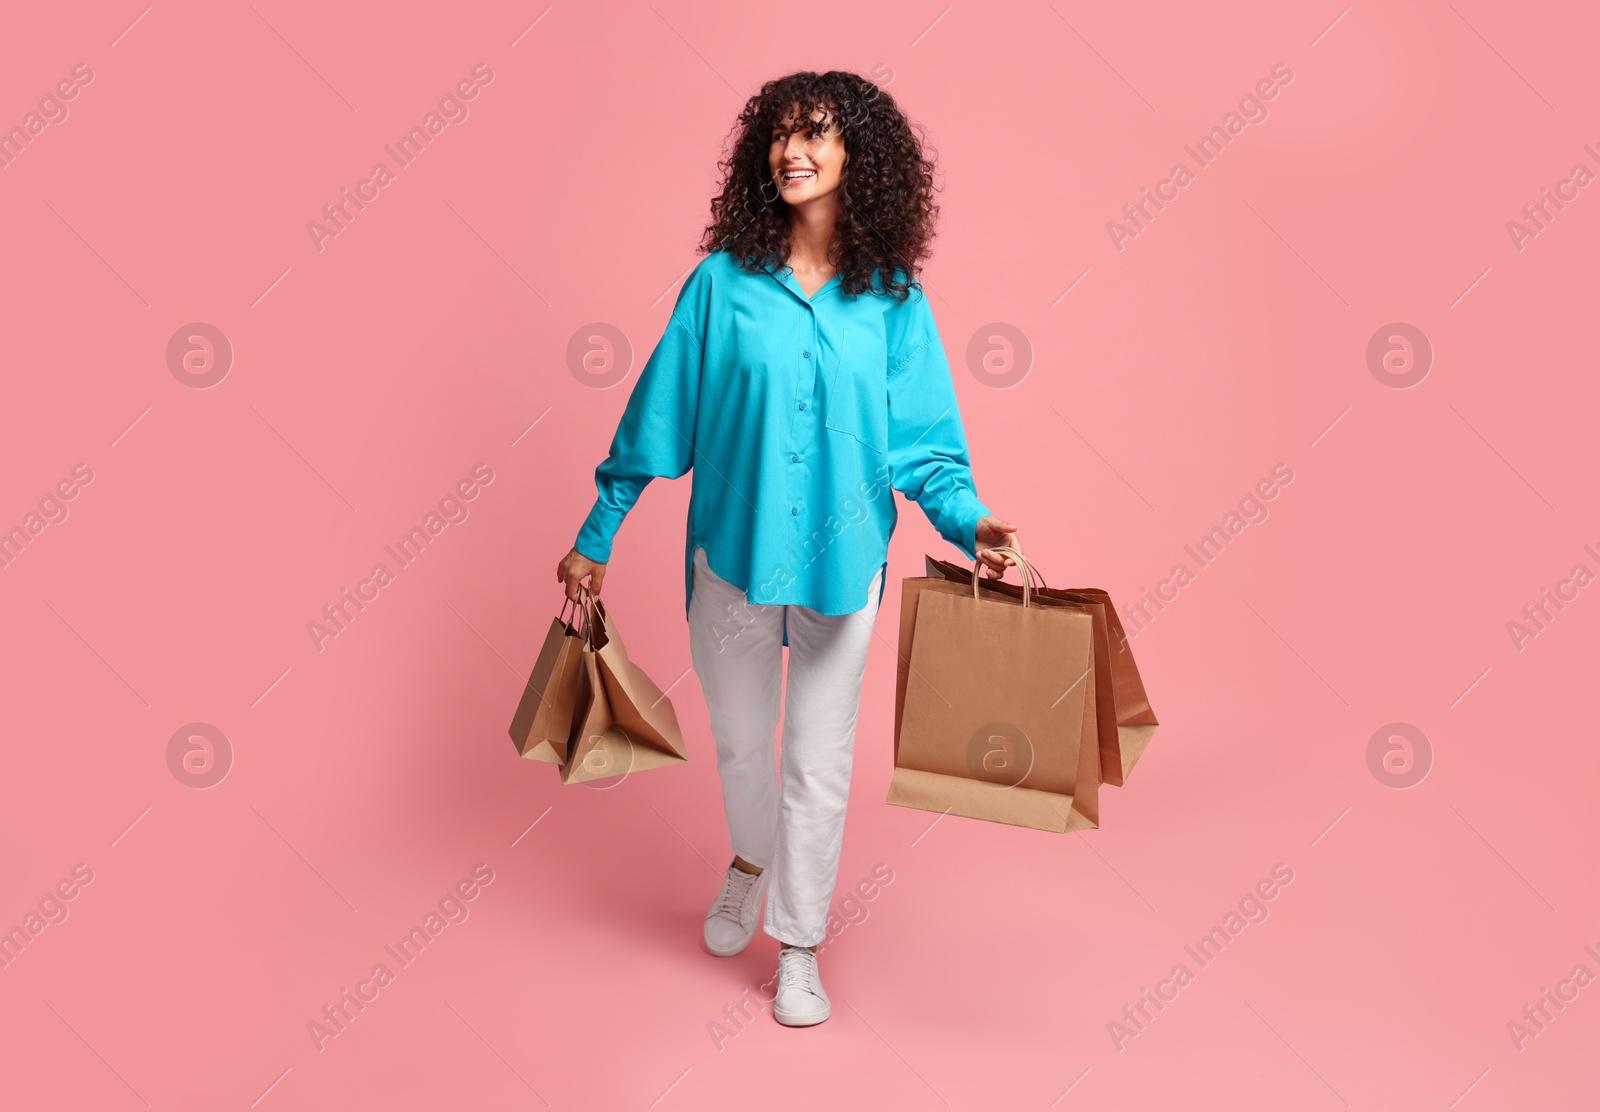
802,377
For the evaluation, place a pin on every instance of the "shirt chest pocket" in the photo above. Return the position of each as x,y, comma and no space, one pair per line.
858,387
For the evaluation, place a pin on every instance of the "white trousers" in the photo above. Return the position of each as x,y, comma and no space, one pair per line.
796,831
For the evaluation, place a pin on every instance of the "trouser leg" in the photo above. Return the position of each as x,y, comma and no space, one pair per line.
737,650
827,659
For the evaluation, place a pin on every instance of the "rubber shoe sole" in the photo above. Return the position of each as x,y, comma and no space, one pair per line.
808,1019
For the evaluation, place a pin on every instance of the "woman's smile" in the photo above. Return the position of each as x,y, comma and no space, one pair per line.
820,143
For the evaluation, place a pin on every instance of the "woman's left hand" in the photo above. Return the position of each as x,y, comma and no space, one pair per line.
995,532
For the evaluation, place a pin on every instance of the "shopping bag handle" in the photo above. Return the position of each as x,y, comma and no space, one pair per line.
585,606
1028,571
574,605
1015,550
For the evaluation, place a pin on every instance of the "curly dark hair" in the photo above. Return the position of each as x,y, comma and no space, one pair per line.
887,210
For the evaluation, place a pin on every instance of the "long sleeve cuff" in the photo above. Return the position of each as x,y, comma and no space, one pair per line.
958,520
595,537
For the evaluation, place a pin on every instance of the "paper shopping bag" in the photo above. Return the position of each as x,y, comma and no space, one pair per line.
1136,721
1122,708
637,704
624,722
599,748
543,722
995,707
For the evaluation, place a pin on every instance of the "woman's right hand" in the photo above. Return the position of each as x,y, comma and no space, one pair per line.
574,567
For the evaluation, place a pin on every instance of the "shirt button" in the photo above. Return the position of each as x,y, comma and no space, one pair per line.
806,353
794,511
802,405
794,459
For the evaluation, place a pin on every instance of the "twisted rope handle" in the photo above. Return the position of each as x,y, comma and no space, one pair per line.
585,606
1029,572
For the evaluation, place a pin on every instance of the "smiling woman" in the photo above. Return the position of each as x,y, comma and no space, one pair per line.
802,378
810,168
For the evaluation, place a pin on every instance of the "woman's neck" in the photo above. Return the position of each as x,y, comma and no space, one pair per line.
811,235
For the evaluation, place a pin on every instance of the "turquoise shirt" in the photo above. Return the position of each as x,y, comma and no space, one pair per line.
800,417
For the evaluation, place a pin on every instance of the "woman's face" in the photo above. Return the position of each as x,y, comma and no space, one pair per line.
806,160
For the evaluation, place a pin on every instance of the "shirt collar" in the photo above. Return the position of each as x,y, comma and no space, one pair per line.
785,276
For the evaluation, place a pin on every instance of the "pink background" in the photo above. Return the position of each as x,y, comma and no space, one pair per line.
1229,337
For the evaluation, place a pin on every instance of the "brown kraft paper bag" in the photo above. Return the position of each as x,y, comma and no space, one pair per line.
543,722
1122,708
995,711
624,722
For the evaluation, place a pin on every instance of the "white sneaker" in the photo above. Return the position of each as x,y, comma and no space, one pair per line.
800,1001
731,922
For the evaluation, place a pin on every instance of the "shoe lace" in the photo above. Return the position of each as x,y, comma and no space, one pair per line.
735,892
798,967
